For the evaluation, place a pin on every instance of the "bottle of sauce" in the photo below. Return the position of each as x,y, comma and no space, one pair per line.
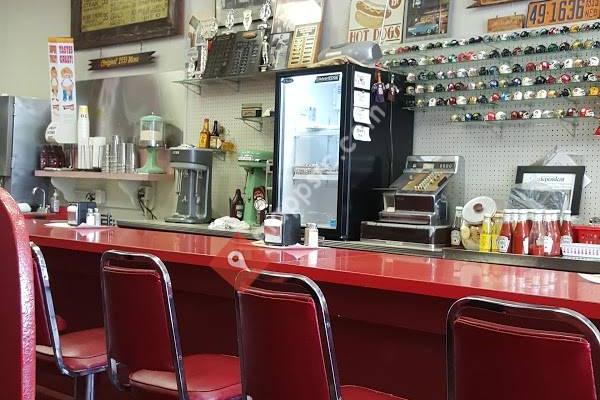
520,239
530,213
536,236
504,241
214,136
549,233
485,238
237,205
497,221
204,141
566,229
556,236
455,240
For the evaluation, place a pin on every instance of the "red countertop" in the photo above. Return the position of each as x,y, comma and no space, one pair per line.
406,274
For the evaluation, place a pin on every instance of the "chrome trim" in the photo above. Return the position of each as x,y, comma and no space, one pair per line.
248,279
522,310
143,261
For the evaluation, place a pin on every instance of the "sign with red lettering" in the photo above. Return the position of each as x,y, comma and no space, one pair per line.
61,74
552,12
371,19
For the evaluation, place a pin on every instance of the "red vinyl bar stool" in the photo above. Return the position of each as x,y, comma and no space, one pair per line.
80,355
17,333
285,341
143,342
504,350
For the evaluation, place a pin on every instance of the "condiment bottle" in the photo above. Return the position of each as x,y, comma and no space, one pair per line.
89,218
237,205
504,241
514,217
536,236
214,136
530,213
55,203
455,240
520,239
549,234
555,216
485,238
311,235
497,221
204,141
566,229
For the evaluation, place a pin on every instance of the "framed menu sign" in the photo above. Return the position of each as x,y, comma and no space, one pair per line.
98,23
565,179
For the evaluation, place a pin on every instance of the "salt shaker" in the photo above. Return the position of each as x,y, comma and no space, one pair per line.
311,235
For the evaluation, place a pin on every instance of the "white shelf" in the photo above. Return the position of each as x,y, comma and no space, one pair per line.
103,176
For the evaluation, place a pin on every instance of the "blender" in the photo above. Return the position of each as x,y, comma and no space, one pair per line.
152,134
254,163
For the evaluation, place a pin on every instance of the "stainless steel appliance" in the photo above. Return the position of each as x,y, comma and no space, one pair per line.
326,161
23,122
193,184
416,206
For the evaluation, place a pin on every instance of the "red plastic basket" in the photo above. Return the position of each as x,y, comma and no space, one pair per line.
586,234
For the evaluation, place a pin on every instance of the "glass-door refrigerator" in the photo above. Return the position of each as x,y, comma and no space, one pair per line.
335,143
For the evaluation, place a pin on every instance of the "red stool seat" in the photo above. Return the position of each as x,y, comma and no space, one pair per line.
361,393
83,350
208,377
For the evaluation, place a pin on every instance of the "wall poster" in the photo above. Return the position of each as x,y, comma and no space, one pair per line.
367,18
425,19
291,13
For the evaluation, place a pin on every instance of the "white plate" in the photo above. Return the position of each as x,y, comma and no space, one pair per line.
67,226
594,278
297,246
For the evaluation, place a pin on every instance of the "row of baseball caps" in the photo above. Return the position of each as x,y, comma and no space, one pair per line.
505,96
572,112
503,83
494,54
517,35
503,69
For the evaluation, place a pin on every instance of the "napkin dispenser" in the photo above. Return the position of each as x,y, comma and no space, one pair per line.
77,212
282,229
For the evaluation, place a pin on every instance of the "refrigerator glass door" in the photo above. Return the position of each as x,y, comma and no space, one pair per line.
310,119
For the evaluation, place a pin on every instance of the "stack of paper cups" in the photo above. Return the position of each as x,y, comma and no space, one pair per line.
83,137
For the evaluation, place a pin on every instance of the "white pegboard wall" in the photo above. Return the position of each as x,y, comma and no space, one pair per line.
222,102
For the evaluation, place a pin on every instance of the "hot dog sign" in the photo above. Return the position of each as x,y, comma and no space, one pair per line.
367,18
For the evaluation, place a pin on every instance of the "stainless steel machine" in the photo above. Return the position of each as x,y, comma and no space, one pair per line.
23,122
193,185
417,206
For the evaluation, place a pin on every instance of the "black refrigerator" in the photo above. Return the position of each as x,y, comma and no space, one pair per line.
336,141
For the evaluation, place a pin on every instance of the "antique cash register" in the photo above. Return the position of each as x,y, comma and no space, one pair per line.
417,207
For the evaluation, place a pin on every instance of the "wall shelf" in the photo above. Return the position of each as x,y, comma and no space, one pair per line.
103,176
234,82
66,181
255,123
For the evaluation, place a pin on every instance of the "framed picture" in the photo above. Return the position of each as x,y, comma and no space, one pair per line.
104,23
305,45
222,7
291,13
425,19
568,180
280,49
367,18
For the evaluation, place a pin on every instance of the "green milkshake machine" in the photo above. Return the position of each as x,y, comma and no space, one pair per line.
255,163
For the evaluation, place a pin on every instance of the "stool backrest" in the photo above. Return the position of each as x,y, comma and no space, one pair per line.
284,338
17,305
139,318
504,350
46,325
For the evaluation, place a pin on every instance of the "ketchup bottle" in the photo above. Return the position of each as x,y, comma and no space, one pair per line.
504,241
556,236
549,234
566,229
536,236
520,237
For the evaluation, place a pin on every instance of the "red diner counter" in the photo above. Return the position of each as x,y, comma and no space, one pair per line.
388,311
